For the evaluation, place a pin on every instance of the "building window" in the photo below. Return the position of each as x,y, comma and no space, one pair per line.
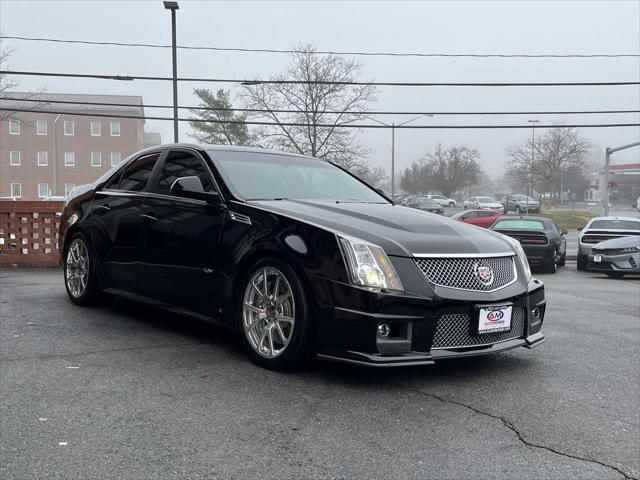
14,126
16,190
115,129
95,128
69,127
96,159
43,159
41,127
43,190
68,187
115,158
69,159
14,158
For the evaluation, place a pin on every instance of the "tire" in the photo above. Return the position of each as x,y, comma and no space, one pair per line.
581,263
79,267
465,207
451,204
615,274
563,260
517,210
261,318
551,266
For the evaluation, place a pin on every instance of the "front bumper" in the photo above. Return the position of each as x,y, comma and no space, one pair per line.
423,328
619,262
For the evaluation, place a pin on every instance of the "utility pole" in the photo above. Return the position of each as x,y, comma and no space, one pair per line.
607,161
393,159
173,6
533,143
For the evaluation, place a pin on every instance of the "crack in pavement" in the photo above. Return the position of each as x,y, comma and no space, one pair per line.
512,427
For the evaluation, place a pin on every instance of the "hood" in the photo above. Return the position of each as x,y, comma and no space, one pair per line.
400,231
491,204
615,243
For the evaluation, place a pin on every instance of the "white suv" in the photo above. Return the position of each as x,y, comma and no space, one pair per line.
443,201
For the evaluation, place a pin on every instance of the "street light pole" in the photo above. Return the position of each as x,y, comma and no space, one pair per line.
173,6
533,143
393,144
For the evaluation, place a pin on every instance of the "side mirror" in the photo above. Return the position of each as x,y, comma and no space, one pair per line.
564,231
579,229
191,187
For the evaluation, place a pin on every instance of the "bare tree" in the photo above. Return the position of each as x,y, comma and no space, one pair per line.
556,154
317,109
6,83
445,170
214,130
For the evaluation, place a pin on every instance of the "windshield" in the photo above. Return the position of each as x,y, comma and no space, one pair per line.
615,225
519,224
269,176
487,200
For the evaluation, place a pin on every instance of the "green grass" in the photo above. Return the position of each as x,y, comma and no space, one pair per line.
567,219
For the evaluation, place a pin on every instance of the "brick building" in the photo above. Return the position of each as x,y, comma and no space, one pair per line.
46,154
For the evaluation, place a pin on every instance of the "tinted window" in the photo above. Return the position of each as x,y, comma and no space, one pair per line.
256,176
519,224
471,215
485,214
615,225
137,174
183,164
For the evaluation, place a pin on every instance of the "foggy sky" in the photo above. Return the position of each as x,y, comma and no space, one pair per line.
446,27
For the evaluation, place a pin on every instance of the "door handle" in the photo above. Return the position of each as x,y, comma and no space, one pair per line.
103,208
148,218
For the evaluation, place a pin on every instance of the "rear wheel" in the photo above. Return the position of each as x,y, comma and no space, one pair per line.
581,262
615,274
563,260
517,210
80,272
275,316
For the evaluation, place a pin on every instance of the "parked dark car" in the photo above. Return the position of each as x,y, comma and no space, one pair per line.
616,257
518,203
544,244
298,256
480,218
425,204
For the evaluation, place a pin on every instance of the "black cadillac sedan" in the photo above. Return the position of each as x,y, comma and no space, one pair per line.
544,244
298,256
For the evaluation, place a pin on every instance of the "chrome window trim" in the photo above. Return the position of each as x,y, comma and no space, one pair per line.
161,196
239,217
463,255
121,193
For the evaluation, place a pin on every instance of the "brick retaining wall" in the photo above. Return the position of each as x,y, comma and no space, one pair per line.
29,233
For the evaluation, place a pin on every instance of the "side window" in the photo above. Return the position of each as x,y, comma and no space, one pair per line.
471,215
486,213
136,175
183,164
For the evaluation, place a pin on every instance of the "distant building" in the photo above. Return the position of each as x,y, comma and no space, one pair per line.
46,154
624,183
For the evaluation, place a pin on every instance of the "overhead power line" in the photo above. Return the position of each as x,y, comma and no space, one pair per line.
336,112
328,125
322,82
332,52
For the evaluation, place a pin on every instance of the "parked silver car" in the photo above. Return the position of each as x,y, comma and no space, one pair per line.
600,229
617,257
444,201
483,203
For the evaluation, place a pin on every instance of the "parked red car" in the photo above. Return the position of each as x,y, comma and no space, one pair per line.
481,218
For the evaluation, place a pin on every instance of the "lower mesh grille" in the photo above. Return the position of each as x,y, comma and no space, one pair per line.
453,331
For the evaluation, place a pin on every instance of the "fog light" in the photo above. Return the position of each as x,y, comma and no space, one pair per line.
384,329
535,313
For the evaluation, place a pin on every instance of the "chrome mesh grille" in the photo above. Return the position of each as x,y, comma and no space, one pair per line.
461,273
453,331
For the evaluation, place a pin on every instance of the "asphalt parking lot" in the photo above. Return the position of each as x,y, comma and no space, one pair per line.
121,391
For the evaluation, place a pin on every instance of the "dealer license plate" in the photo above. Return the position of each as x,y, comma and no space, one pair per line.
492,319
597,258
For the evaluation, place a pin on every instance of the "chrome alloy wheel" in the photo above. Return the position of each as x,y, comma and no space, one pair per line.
77,268
268,312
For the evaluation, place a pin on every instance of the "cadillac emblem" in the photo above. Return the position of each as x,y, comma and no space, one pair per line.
484,274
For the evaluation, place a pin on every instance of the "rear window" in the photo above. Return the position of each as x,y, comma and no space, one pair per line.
519,224
614,225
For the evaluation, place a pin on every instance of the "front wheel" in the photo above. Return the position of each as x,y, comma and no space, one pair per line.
581,262
80,272
451,204
275,316
517,210
563,260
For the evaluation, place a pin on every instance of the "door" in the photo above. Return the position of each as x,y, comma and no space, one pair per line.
181,237
115,223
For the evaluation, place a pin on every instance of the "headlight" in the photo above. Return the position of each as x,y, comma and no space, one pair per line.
521,255
635,249
368,265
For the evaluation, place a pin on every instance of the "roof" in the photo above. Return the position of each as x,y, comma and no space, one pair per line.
131,104
611,217
625,166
